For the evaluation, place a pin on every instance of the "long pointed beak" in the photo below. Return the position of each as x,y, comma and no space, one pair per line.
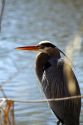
31,48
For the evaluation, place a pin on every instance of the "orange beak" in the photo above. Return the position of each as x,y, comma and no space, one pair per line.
31,48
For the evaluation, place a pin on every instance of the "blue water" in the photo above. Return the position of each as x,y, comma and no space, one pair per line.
27,22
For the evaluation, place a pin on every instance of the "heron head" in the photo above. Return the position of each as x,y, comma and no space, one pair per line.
44,47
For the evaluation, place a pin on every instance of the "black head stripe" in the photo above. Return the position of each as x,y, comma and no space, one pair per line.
48,45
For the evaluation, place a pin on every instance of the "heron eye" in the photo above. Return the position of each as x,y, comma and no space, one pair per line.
42,47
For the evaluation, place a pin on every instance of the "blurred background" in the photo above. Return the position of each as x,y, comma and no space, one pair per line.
27,22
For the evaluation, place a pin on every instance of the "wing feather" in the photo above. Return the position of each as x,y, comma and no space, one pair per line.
55,83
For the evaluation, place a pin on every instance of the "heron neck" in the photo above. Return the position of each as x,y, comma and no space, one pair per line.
41,60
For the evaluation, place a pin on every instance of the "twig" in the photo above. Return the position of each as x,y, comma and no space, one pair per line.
45,100
1,14
1,89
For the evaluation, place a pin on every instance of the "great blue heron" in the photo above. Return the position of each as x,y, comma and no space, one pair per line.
57,80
